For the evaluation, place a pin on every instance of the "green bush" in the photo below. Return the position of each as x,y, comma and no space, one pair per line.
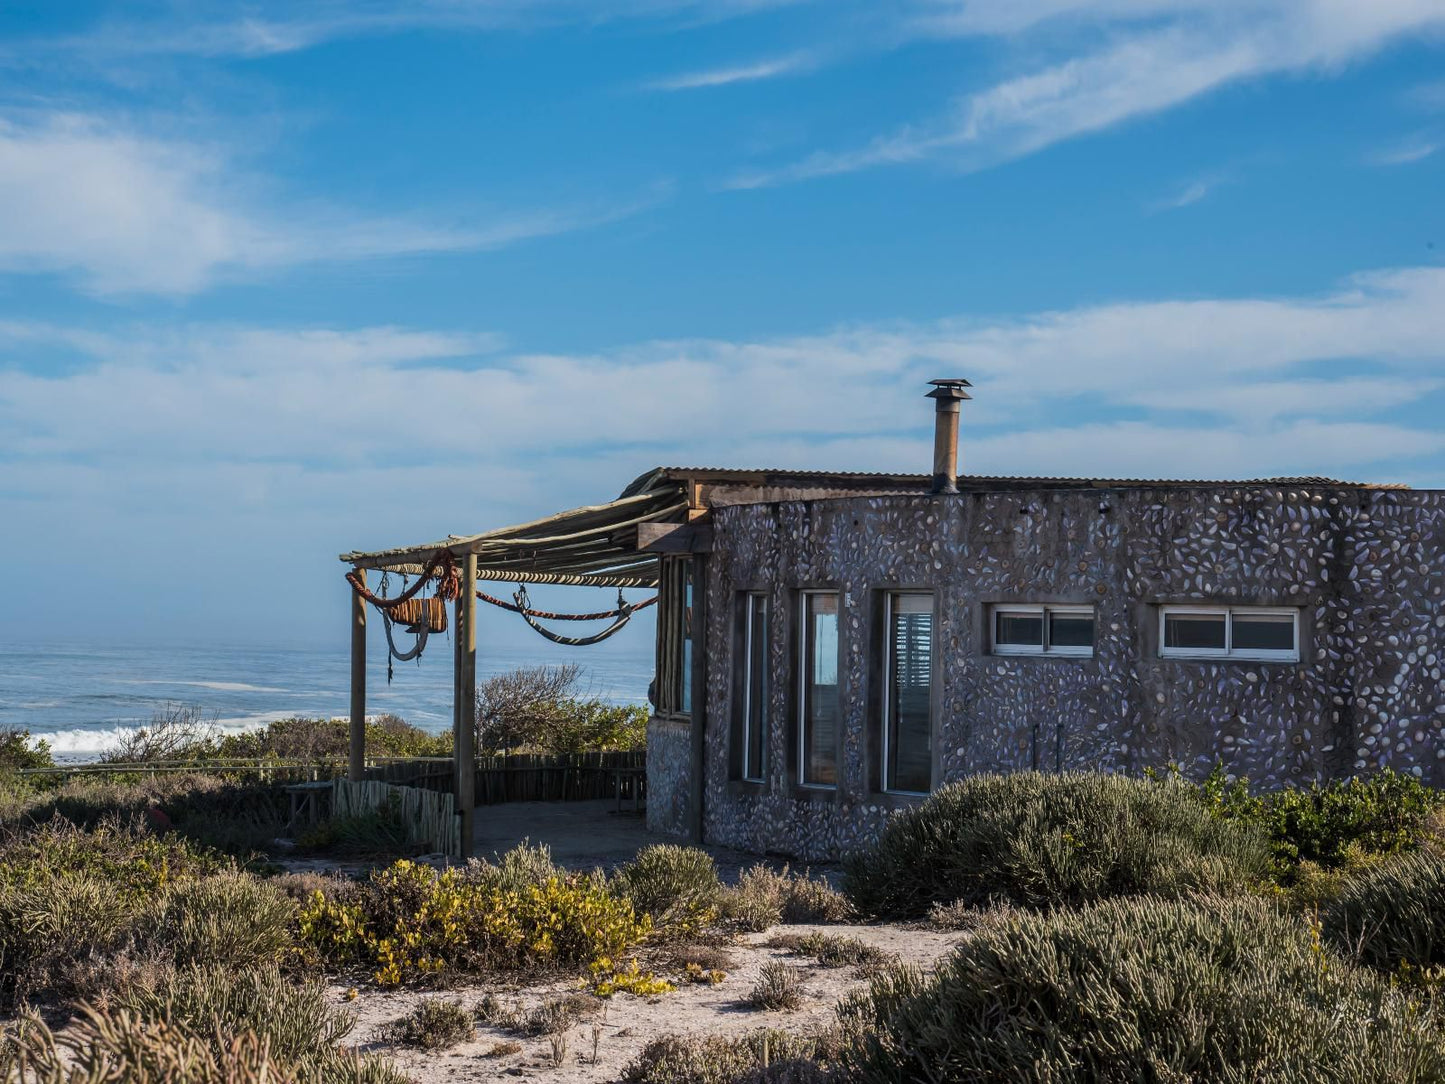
1141,989
1331,825
677,886
18,751
1049,840
779,988
538,709
435,1024
832,950
299,738
59,934
524,866
231,919
1393,915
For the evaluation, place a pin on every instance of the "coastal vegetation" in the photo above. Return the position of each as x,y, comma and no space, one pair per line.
1219,930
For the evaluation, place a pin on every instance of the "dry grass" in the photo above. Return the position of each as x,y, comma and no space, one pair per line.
779,989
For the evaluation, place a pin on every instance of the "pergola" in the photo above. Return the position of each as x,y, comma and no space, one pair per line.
596,546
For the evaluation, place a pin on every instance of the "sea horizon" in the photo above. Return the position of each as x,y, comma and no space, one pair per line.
83,698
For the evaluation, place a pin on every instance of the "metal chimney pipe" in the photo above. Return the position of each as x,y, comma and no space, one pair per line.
946,396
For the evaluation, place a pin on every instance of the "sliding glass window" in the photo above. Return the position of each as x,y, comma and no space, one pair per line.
908,699
818,706
755,685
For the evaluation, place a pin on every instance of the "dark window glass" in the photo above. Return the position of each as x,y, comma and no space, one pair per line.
685,698
755,717
1071,630
1262,632
1019,629
1192,631
820,708
909,760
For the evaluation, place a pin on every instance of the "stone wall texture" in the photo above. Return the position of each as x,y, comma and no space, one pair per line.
1364,567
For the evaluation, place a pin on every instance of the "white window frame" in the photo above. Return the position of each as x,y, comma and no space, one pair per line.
1229,651
749,598
1042,611
888,682
804,673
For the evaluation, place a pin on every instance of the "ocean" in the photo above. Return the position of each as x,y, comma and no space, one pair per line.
81,698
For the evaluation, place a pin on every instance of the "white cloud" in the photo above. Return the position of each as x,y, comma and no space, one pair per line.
792,64
1158,56
126,212
1404,153
250,449
1187,195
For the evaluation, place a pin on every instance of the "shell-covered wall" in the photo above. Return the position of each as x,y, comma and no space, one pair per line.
1365,568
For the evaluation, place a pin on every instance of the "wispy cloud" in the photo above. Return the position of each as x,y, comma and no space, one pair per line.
1188,194
1160,55
1415,149
129,212
792,64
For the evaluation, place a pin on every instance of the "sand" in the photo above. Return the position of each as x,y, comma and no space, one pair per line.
631,1022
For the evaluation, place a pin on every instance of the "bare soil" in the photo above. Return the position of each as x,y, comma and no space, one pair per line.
628,1023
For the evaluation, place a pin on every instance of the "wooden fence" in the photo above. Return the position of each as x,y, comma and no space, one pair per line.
429,816
565,777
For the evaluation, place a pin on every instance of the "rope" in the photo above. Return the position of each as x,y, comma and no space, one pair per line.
442,565
546,615
421,632
623,615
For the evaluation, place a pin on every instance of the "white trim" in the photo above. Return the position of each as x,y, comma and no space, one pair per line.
1228,651
888,598
749,598
1042,611
804,671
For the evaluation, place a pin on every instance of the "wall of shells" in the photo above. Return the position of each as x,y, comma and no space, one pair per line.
1364,567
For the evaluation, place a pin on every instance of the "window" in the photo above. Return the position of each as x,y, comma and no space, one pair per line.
1232,632
1043,630
908,694
753,699
818,707
675,637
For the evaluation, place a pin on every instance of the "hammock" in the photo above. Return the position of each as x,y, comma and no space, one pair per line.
621,615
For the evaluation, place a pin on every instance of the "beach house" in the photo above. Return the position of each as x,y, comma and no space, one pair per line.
831,646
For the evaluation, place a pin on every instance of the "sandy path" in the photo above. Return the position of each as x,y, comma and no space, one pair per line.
631,1022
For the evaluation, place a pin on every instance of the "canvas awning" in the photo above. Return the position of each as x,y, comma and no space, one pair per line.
595,546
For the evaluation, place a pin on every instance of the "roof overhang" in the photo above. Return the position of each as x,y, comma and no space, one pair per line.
592,546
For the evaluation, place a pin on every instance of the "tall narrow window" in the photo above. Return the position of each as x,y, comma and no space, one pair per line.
818,696
686,632
752,735
908,701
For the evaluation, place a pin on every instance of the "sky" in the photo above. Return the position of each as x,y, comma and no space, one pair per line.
282,280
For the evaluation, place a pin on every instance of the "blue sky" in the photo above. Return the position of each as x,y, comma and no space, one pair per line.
281,280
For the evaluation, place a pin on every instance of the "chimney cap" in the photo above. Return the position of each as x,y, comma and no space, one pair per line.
949,389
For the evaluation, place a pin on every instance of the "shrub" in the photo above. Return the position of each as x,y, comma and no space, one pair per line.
299,738
56,934
203,1027
538,709
409,922
524,866
176,732
231,919
551,1015
779,987
1393,914
676,886
715,1059
376,832
18,751
1043,840
763,897
434,1024
1130,989
831,950
1331,824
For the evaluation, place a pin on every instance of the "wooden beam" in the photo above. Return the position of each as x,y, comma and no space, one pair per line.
698,678
464,739
356,767
674,537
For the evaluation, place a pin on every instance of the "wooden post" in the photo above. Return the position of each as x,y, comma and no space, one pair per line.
464,715
356,768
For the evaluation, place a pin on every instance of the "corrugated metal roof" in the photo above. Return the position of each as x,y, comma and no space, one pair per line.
775,475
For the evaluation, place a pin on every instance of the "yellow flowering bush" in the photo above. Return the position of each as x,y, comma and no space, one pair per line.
409,921
609,979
